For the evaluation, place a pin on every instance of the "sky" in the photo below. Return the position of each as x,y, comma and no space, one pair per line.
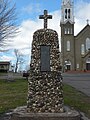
28,12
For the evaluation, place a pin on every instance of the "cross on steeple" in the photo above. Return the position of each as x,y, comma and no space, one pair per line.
45,17
87,21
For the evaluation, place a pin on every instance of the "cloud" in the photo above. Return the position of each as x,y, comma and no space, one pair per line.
6,58
32,8
81,15
24,39
28,27
24,52
81,9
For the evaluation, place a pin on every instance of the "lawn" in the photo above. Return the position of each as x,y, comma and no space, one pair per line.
76,99
13,94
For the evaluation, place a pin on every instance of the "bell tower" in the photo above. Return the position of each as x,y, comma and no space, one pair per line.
67,35
67,11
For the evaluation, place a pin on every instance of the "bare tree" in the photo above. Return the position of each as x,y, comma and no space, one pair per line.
8,28
19,59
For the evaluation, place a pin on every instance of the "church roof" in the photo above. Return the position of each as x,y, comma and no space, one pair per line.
83,30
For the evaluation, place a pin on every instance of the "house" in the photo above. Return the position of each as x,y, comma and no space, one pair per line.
4,66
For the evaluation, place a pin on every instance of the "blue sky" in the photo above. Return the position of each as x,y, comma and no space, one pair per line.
27,14
32,8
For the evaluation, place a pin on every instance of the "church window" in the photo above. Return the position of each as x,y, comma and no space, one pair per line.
69,13
65,31
65,13
87,44
71,30
82,49
68,31
77,66
88,60
68,45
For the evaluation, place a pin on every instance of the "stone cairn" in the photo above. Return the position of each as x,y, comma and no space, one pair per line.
45,80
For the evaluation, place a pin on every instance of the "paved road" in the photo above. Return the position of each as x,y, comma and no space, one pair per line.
80,81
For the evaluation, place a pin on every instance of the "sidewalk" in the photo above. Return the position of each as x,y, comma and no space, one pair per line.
80,81
78,72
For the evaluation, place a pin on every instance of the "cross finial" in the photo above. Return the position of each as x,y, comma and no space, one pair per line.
45,17
87,21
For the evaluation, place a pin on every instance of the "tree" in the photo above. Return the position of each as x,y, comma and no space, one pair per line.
19,59
8,28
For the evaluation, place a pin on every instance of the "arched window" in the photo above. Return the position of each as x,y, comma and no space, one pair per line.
82,49
69,13
71,30
77,65
68,31
87,44
65,13
88,60
68,45
65,30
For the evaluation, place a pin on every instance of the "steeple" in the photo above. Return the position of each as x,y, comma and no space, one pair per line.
67,11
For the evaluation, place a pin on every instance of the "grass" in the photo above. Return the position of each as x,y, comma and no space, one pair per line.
76,99
14,94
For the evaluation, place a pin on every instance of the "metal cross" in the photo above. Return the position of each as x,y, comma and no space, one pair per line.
87,21
45,17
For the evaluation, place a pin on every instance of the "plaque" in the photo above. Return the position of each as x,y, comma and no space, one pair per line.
45,58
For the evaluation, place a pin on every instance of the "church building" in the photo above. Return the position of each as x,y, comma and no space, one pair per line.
75,50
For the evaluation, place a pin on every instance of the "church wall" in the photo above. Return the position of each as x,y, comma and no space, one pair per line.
79,40
69,54
78,43
65,36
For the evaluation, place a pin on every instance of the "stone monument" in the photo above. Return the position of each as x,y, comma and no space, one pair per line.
45,84
45,94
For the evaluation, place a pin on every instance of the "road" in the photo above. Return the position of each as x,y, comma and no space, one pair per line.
80,81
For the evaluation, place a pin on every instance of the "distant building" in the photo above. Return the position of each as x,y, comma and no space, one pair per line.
4,66
75,50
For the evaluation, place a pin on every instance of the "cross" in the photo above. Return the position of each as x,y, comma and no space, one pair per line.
87,21
45,17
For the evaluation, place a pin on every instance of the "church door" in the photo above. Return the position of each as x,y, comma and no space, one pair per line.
68,67
87,66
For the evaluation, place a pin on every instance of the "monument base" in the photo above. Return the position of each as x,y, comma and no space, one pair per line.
21,113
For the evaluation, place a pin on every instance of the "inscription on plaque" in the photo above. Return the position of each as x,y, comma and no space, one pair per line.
45,58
